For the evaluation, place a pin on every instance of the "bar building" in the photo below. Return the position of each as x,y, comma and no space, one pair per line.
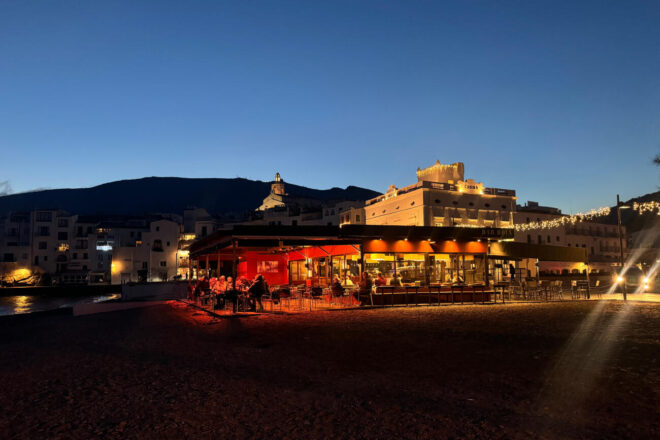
421,258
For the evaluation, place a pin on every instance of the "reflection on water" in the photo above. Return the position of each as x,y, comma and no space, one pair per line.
14,305
22,304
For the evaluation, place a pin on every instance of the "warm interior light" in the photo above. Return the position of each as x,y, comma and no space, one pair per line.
619,279
19,274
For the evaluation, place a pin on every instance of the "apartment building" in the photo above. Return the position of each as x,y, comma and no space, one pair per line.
62,248
599,239
154,257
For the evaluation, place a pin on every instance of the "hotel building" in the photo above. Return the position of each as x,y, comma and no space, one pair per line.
441,197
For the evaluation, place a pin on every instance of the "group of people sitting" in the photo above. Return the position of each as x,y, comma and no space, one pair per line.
229,290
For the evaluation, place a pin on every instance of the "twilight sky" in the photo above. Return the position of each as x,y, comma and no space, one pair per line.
557,100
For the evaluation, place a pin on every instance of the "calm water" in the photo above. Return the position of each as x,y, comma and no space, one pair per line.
13,305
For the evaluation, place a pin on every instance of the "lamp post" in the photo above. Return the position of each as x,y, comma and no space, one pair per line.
619,207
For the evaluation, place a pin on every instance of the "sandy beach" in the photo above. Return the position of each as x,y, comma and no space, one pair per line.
567,370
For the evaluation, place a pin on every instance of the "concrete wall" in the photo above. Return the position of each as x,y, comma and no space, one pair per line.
154,291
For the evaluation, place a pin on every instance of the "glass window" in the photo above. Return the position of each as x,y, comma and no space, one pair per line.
439,268
383,264
411,268
297,271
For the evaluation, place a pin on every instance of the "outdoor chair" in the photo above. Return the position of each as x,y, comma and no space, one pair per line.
574,292
515,290
556,290
414,290
530,289
479,288
457,288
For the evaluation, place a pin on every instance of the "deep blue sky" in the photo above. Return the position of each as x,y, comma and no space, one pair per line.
558,100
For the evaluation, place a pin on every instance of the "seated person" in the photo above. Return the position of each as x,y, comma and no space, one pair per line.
395,281
220,286
365,288
337,288
380,280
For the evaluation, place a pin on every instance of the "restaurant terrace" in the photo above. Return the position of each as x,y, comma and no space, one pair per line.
409,264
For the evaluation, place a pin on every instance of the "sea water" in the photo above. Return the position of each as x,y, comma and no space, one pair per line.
19,304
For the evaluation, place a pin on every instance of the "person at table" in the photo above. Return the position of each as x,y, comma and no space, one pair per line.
395,281
365,288
337,288
257,290
202,287
220,285
380,280
218,290
231,294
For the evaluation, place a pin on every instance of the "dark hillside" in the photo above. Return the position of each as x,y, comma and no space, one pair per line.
167,194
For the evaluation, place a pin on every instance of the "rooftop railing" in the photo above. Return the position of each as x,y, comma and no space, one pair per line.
437,186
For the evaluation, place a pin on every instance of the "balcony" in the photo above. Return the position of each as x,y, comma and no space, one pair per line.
500,192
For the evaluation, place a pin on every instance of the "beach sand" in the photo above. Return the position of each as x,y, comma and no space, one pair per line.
568,370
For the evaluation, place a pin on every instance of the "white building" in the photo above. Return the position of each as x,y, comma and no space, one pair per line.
599,239
71,249
279,208
152,258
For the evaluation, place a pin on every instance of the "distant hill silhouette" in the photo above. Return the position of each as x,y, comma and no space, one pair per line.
168,195
632,220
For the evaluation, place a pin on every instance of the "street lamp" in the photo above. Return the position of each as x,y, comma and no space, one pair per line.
621,277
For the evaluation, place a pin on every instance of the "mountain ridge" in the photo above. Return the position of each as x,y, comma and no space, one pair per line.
220,196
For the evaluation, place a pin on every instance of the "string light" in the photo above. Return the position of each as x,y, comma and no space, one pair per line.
640,208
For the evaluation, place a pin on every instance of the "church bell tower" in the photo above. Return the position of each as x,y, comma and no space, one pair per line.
277,187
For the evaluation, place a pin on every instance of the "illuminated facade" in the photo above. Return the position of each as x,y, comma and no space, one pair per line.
600,240
152,258
442,197
280,208
77,249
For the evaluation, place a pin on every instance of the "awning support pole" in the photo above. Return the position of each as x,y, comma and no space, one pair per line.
233,262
